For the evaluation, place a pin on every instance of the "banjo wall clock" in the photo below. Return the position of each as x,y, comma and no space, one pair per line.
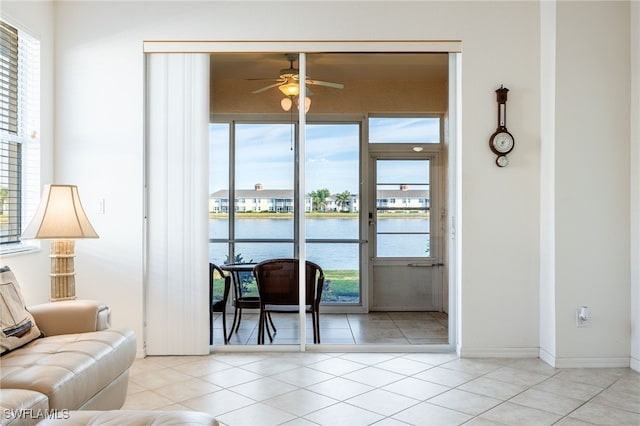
501,141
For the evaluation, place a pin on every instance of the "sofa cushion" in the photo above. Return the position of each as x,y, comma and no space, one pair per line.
17,326
70,368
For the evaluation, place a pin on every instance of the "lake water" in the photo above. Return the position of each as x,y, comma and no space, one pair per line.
328,255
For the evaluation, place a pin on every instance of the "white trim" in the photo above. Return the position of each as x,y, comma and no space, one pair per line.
467,352
547,357
300,211
454,200
547,335
202,46
599,362
20,248
635,186
450,46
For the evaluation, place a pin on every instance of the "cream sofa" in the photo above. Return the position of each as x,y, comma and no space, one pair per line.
77,374
80,364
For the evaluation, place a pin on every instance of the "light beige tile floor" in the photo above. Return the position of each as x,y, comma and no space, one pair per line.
401,328
353,389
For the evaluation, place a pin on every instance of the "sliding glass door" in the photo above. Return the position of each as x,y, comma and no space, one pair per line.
253,200
251,212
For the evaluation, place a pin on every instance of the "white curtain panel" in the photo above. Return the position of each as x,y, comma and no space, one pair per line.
176,175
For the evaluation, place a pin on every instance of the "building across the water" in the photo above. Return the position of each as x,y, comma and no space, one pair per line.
260,199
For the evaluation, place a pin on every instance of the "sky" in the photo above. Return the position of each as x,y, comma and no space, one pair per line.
264,154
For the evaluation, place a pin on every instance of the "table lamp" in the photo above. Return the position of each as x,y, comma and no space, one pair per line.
61,219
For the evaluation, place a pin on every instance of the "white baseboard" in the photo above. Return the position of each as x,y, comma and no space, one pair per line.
599,362
557,362
595,362
635,364
465,352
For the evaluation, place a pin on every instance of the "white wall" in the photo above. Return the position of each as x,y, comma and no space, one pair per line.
592,146
99,135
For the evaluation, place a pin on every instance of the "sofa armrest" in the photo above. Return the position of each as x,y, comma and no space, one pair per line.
70,316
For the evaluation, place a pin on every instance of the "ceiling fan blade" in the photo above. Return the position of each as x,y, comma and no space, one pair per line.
326,83
264,89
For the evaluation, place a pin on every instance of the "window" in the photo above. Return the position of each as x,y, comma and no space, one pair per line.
263,168
405,129
403,229
19,133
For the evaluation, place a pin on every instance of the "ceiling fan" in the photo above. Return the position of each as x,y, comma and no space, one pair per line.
288,82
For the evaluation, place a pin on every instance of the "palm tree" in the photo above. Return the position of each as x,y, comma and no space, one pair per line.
318,199
342,200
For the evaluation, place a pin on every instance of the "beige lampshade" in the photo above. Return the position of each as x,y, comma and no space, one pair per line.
59,215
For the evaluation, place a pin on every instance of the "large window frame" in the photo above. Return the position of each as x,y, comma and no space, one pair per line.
234,204
232,242
19,135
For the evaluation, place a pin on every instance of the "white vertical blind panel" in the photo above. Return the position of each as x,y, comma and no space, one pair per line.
177,191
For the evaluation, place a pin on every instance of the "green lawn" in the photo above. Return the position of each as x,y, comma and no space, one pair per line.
341,286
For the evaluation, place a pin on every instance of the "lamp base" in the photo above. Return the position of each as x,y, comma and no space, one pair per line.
63,276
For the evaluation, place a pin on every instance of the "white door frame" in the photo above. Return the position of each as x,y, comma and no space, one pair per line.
453,158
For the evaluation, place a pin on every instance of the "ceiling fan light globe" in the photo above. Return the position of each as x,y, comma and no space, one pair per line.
290,89
286,104
307,104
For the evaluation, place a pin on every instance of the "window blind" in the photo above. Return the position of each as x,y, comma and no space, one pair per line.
8,78
10,191
19,133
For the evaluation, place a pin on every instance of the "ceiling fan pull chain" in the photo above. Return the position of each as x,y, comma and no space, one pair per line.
291,112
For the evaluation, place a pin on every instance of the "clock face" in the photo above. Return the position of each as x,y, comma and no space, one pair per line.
502,142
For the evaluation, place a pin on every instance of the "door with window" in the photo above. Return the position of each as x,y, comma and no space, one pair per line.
405,229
